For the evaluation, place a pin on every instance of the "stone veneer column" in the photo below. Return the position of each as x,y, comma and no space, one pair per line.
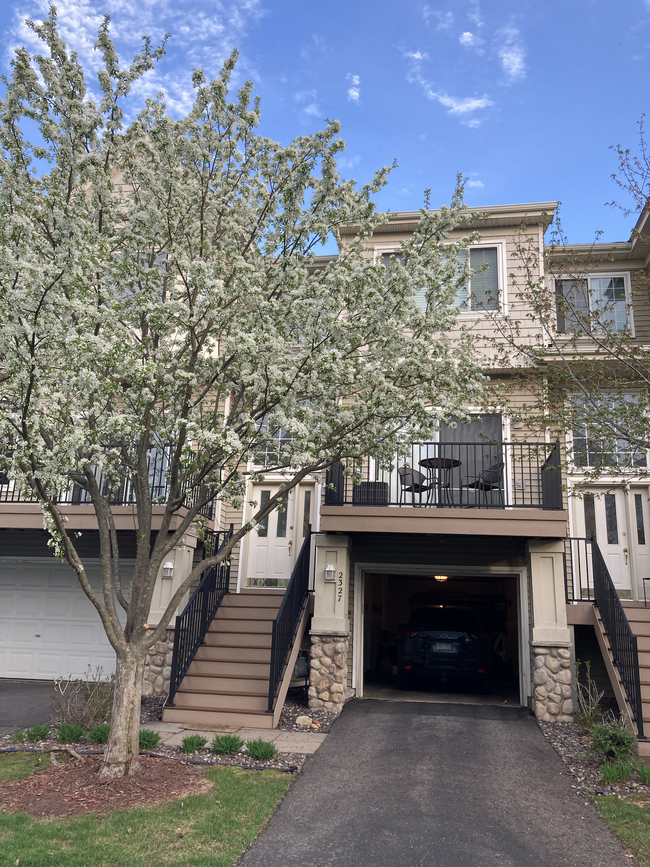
157,667
552,684
329,671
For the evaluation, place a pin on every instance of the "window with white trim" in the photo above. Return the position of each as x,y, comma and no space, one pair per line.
590,303
592,448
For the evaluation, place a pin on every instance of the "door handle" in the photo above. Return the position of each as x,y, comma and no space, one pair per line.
625,552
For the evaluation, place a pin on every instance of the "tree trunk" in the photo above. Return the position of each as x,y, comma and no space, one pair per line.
122,749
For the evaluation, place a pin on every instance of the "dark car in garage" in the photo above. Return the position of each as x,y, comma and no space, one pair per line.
446,643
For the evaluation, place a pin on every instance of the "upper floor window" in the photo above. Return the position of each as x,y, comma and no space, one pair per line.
594,446
591,303
482,290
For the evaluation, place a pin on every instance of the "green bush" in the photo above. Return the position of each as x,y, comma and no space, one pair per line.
18,738
613,741
148,739
644,773
69,733
261,750
615,772
193,743
38,733
99,735
226,745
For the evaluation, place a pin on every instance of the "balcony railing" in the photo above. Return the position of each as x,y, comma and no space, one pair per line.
122,495
446,475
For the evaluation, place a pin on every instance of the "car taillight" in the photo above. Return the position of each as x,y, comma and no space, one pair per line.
481,670
477,637
411,633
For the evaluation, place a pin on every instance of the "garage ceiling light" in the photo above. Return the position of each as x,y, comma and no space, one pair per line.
440,577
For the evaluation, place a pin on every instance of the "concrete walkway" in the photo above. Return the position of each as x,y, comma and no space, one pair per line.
171,735
431,785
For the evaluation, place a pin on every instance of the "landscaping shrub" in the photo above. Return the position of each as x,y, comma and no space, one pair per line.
18,738
148,739
99,735
644,773
193,743
261,750
615,772
38,733
69,733
589,698
84,701
613,741
226,745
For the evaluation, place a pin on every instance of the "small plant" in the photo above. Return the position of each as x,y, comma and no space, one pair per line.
613,741
589,698
38,733
226,745
261,750
644,773
148,739
18,738
69,733
615,772
193,743
84,701
99,735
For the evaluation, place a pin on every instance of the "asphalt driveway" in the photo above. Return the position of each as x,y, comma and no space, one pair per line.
24,704
426,785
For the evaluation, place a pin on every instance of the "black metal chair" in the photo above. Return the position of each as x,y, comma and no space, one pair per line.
487,480
412,482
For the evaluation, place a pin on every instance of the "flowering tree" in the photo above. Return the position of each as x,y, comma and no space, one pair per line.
160,300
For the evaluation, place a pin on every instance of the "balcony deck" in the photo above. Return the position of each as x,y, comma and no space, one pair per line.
483,489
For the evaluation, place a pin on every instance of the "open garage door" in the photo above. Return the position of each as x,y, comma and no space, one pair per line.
48,627
455,638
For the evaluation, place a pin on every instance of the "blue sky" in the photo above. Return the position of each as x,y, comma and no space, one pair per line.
524,98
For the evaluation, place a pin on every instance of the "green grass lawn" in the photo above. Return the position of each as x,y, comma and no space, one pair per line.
212,829
17,766
629,818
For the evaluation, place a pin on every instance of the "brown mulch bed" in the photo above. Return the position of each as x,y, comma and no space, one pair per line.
74,788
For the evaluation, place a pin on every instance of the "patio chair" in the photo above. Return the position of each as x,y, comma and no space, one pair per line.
487,480
412,482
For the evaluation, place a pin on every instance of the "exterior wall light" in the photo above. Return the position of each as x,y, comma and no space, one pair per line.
168,570
329,572
440,577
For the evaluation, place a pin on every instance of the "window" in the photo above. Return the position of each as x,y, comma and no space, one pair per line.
640,527
263,526
271,450
482,291
591,303
594,448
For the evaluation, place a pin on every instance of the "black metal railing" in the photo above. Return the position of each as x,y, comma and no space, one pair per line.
578,569
122,494
287,620
191,626
486,475
623,643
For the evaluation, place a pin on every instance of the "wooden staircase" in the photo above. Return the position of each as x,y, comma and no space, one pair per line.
639,619
227,683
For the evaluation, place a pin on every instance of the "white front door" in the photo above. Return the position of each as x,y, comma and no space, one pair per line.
612,535
274,545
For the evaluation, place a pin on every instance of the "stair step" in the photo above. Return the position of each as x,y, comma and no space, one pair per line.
643,642
219,701
229,668
242,624
237,639
251,600
208,716
246,612
242,685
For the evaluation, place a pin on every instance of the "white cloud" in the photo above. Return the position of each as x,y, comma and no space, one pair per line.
304,95
512,53
445,20
348,162
312,109
478,184
475,16
460,106
212,33
467,38
354,92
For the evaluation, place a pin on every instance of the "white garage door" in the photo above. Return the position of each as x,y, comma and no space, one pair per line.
48,627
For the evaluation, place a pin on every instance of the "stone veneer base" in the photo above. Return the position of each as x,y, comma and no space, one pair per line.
552,684
329,671
158,667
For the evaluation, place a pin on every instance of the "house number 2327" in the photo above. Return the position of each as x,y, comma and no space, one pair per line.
339,587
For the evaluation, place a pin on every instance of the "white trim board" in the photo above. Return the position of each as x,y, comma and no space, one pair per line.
519,572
